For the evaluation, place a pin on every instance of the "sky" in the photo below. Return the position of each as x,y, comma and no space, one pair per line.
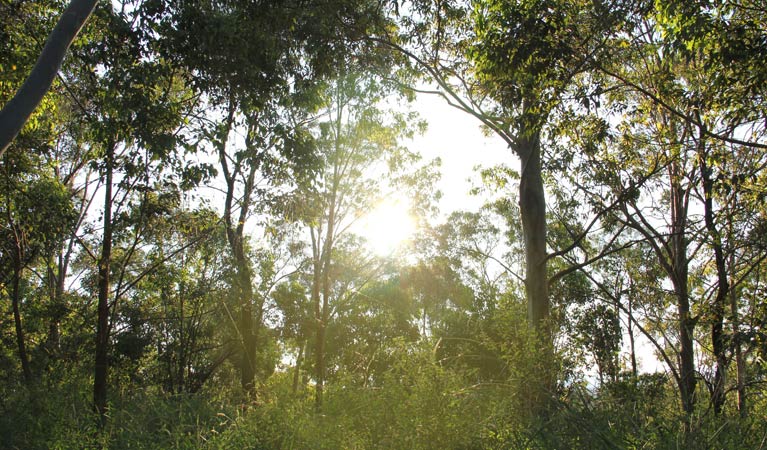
456,138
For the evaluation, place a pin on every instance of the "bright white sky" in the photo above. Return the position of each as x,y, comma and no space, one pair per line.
456,138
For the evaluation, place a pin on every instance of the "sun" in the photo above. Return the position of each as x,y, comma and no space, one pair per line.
387,226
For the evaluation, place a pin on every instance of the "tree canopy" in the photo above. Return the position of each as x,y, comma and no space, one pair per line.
193,196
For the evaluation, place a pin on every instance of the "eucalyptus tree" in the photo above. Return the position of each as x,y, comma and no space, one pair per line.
37,212
681,139
257,67
509,64
291,299
175,310
32,172
358,143
133,104
368,327
56,137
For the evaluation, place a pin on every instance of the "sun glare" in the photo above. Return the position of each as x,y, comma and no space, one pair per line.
388,226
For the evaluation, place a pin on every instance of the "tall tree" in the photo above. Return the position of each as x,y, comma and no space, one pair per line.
357,140
264,86
508,64
134,107
37,212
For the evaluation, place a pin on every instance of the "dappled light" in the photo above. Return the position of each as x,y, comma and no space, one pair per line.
227,225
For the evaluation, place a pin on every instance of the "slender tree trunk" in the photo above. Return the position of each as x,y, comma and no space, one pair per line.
740,364
320,292
16,298
16,112
723,286
56,295
184,344
297,371
247,331
632,347
102,324
686,323
686,353
319,342
323,257
319,350
321,332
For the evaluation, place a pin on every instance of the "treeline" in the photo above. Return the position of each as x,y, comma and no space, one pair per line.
180,266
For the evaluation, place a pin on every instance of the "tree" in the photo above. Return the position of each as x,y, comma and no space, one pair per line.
38,212
355,141
135,108
264,86
677,97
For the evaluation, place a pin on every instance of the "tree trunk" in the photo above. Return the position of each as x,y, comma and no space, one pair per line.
740,364
323,257
321,330
632,346
235,235
247,330
297,372
686,353
532,206
16,112
57,309
16,297
102,324
723,286
319,343
687,380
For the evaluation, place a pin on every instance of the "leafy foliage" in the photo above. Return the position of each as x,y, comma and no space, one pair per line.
232,148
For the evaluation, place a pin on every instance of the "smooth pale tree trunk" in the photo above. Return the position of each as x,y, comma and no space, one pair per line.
16,112
532,206
297,371
101,372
